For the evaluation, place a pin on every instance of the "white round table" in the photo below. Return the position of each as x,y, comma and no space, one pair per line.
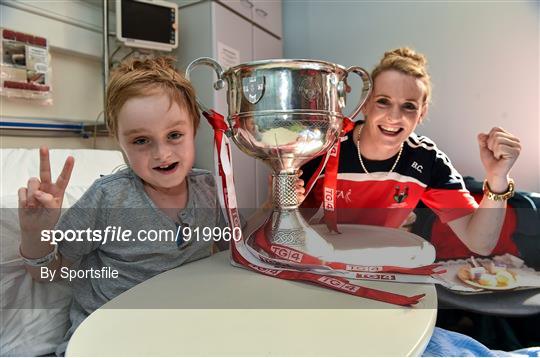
210,308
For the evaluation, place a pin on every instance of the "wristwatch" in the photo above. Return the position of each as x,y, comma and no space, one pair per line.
499,196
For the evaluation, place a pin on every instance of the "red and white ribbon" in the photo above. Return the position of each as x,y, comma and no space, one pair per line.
283,262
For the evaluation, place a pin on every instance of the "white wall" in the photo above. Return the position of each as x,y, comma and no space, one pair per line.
77,92
483,58
73,30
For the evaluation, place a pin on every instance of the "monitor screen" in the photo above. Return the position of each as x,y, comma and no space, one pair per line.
146,21
148,24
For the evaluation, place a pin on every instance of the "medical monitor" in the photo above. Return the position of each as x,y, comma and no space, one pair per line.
150,24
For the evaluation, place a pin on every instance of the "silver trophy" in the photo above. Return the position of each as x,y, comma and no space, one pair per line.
286,112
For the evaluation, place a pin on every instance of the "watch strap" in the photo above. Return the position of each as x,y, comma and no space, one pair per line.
499,196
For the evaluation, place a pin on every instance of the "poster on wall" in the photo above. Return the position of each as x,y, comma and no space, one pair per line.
25,70
227,56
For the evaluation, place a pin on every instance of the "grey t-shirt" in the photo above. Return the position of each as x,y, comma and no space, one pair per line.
118,201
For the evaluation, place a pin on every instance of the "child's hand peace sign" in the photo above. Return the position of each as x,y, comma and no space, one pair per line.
43,194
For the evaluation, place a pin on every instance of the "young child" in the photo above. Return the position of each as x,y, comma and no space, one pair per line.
152,112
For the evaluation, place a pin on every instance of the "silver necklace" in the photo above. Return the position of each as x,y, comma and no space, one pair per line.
360,155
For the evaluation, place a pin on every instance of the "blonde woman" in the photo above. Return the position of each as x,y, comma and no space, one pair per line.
385,169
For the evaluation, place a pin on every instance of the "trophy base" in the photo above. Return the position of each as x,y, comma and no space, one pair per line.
288,228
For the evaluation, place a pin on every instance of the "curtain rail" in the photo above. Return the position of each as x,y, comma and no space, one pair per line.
12,125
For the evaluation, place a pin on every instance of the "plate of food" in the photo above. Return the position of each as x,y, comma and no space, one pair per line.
490,275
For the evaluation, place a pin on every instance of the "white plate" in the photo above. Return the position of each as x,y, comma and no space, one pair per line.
376,246
461,275
494,288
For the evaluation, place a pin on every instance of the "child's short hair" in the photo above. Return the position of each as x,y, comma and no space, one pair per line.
139,78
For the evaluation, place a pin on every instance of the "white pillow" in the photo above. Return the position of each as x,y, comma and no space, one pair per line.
35,316
19,165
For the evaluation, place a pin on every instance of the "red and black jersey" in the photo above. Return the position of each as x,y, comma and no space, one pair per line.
423,172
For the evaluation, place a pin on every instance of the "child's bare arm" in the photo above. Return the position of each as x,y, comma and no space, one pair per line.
39,209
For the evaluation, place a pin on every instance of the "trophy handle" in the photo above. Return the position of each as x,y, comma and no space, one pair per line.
366,88
207,61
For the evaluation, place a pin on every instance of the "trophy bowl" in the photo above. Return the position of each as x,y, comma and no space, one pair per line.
286,112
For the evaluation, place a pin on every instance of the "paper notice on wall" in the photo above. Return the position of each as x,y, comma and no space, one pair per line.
227,56
37,59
